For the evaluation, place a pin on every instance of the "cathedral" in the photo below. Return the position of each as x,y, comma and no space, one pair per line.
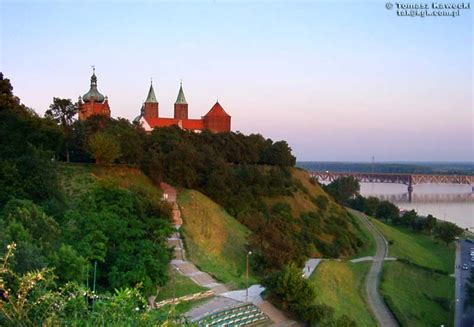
216,120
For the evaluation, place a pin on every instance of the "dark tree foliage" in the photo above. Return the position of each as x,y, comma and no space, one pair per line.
447,231
343,189
122,231
21,128
387,210
63,111
32,230
296,294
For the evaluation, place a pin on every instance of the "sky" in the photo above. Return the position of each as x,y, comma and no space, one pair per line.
338,80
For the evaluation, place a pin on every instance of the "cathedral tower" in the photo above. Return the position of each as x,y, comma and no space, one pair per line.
93,102
150,108
181,106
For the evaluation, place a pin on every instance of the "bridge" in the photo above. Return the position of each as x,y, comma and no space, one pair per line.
407,179
428,197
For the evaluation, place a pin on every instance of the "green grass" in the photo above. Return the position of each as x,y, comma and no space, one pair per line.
178,285
342,286
215,241
418,248
180,308
77,179
369,246
416,295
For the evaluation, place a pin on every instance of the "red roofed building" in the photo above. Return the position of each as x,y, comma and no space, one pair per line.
216,120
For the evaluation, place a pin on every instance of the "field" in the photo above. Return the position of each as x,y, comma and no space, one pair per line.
214,240
342,286
418,297
418,248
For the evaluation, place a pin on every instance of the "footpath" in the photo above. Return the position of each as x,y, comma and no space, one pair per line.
179,262
376,302
224,297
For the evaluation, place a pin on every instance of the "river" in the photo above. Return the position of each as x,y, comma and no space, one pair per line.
448,202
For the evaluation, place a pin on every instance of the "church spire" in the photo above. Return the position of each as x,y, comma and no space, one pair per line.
181,99
151,98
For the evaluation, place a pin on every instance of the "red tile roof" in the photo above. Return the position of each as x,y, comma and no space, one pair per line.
161,122
192,124
216,110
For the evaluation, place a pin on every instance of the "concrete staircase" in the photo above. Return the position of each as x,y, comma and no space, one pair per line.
179,263
222,311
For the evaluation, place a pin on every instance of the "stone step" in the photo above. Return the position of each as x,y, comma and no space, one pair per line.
174,242
202,279
186,268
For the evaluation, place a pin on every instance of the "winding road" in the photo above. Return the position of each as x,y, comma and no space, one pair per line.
376,302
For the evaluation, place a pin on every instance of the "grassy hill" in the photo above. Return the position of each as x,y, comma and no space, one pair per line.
416,293
418,248
334,223
418,297
77,179
215,241
342,286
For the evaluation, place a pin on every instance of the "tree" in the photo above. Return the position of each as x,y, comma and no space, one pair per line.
447,232
430,224
409,218
33,299
70,266
34,232
292,289
103,148
21,128
125,234
387,210
343,189
371,205
62,111
279,153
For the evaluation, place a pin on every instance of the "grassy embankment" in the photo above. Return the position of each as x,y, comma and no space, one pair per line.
339,284
178,286
77,179
215,241
418,289
342,286
310,197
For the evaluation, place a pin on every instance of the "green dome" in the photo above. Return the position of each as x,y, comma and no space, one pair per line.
93,93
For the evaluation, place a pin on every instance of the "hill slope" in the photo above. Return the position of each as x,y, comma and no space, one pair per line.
77,179
215,241
337,232
342,286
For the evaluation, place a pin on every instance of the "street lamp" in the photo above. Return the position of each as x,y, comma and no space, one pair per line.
247,278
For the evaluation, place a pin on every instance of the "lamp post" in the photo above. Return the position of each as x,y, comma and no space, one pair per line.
247,278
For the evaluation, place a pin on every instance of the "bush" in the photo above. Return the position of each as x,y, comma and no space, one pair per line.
321,201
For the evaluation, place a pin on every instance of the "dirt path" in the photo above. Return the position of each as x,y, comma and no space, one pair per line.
376,302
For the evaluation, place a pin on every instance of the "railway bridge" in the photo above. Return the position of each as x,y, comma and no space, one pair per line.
407,179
